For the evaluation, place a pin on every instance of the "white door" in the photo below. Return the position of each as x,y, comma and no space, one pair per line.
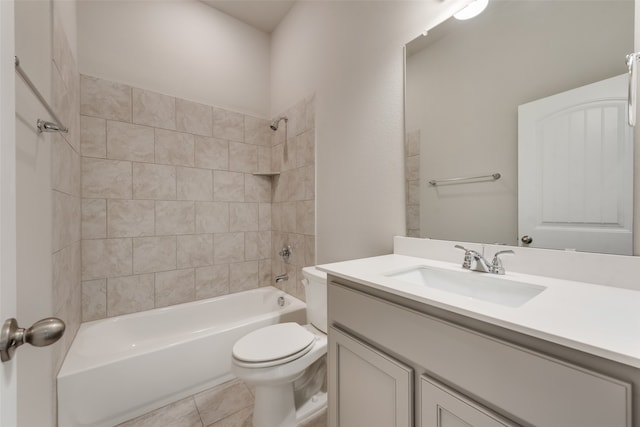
575,170
8,371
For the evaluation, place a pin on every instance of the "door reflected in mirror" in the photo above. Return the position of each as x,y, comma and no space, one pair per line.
464,83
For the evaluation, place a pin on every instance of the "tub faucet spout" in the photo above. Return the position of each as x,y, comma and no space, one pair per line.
282,278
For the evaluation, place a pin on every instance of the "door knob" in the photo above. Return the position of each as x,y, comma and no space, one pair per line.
44,332
527,240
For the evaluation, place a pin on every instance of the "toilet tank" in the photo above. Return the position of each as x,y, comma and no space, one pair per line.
315,286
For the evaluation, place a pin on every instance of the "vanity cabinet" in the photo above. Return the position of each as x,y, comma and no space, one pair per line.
458,375
371,388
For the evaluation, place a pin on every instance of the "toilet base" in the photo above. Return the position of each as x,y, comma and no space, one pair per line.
275,406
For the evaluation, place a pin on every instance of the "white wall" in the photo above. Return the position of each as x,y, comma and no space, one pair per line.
351,54
179,48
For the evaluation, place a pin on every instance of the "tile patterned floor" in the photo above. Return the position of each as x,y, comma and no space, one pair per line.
227,405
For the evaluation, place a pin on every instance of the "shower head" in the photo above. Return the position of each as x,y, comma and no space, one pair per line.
275,123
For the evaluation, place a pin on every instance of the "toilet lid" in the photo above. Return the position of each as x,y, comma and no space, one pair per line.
273,343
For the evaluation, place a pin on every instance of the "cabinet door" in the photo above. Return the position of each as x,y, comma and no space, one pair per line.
369,388
443,407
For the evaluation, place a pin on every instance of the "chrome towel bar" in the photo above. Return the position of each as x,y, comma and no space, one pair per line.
494,176
42,125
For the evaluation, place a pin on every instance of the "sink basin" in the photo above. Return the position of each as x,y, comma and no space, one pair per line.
481,286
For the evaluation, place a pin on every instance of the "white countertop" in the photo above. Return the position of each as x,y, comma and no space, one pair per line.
600,320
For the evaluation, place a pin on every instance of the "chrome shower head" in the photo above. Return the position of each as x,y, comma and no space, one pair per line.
275,123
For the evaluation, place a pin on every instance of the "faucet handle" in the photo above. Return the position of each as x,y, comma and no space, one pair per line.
496,264
468,256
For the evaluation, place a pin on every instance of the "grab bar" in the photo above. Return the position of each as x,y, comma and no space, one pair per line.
42,125
495,176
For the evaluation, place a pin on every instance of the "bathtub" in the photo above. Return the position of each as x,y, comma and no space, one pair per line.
122,367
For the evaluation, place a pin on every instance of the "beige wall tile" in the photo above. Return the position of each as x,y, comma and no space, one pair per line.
228,186
289,156
106,258
175,148
94,300
153,109
243,276
105,99
228,247
195,184
289,217
93,137
175,287
212,281
296,185
305,217
280,187
276,216
212,153
413,192
264,216
305,149
228,125
243,217
175,218
266,276
94,218
277,152
222,401
264,159
257,131
257,188
412,166
126,141
65,265
130,218
412,143
194,118
309,180
297,119
195,250
243,157
106,179
310,111
152,254
154,181
130,294
66,220
413,217
212,217
182,413
309,250
257,245
65,167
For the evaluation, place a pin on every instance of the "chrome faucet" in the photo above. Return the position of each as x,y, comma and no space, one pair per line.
474,261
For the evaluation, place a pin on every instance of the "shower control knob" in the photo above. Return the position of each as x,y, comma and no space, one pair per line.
527,240
43,333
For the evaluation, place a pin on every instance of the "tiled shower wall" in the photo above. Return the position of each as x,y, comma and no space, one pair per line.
171,208
412,180
65,189
293,212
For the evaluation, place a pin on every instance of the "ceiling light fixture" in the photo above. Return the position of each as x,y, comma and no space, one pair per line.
471,10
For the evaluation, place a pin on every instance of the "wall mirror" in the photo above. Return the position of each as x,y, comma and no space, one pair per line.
469,83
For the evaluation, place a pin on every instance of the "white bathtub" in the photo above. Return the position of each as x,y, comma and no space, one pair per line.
122,367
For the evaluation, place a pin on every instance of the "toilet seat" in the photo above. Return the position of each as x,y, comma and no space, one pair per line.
273,345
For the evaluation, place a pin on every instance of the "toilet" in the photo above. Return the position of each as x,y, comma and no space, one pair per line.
285,362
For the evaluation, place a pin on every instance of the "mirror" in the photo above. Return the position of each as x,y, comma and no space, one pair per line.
465,81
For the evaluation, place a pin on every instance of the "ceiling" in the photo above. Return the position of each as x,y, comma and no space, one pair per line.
262,14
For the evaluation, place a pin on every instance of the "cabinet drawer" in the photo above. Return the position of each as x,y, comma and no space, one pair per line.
526,386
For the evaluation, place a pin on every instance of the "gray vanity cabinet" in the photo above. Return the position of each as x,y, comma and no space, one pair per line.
458,375
371,388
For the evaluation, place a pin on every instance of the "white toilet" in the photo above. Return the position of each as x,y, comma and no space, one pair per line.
274,357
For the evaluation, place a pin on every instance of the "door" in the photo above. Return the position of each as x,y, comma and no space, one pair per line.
371,388
443,407
8,371
575,170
